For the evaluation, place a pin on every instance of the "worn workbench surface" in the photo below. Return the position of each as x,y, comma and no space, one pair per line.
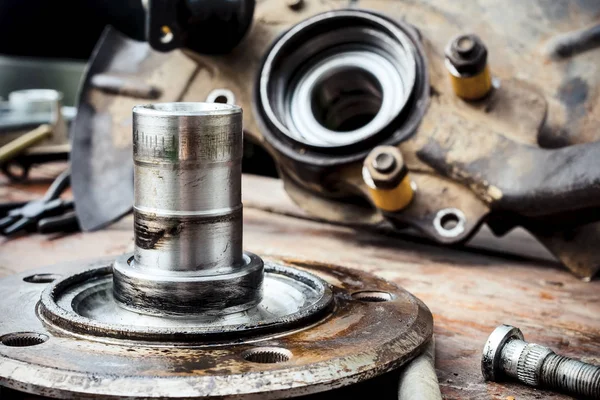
469,293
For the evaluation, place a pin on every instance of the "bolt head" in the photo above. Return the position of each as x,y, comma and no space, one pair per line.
385,167
467,54
384,162
492,350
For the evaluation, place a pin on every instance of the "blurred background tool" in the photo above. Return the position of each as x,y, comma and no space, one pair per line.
49,214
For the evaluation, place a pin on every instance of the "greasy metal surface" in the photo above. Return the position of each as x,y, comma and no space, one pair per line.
516,35
516,108
154,292
359,340
560,179
499,110
187,210
360,73
390,55
83,303
187,187
460,286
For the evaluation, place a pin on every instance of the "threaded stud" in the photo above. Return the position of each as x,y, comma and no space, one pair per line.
507,354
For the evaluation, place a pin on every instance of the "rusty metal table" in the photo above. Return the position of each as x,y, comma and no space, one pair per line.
469,292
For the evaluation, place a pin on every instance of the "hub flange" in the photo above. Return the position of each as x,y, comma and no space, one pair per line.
373,327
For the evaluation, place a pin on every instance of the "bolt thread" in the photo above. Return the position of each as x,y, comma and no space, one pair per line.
571,376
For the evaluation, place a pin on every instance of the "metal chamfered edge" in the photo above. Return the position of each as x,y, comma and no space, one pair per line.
493,349
69,321
411,115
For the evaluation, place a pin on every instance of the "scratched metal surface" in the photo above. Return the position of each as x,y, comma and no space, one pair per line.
356,341
468,293
516,32
533,85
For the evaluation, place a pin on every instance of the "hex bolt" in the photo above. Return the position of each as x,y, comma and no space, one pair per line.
466,62
384,162
507,354
384,167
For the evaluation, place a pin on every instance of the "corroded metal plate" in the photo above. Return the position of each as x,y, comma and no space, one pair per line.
373,327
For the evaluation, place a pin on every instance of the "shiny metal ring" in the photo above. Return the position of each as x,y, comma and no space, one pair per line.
342,85
450,222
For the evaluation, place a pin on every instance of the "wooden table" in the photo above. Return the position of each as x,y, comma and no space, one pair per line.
468,292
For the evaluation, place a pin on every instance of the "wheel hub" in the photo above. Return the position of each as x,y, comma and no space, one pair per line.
189,314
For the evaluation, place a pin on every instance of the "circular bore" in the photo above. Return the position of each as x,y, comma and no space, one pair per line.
347,97
351,342
23,339
450,222
339,83
222,96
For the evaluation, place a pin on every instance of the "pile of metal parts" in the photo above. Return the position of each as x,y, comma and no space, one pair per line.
189,313
367,122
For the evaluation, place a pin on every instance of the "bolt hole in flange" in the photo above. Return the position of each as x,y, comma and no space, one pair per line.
41,278
450,222
372,296
222,96
23,339
267,355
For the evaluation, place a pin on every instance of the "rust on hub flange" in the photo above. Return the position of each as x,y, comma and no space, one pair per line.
373,327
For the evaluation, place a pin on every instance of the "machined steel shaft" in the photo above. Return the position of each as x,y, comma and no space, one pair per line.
506,353
188,255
